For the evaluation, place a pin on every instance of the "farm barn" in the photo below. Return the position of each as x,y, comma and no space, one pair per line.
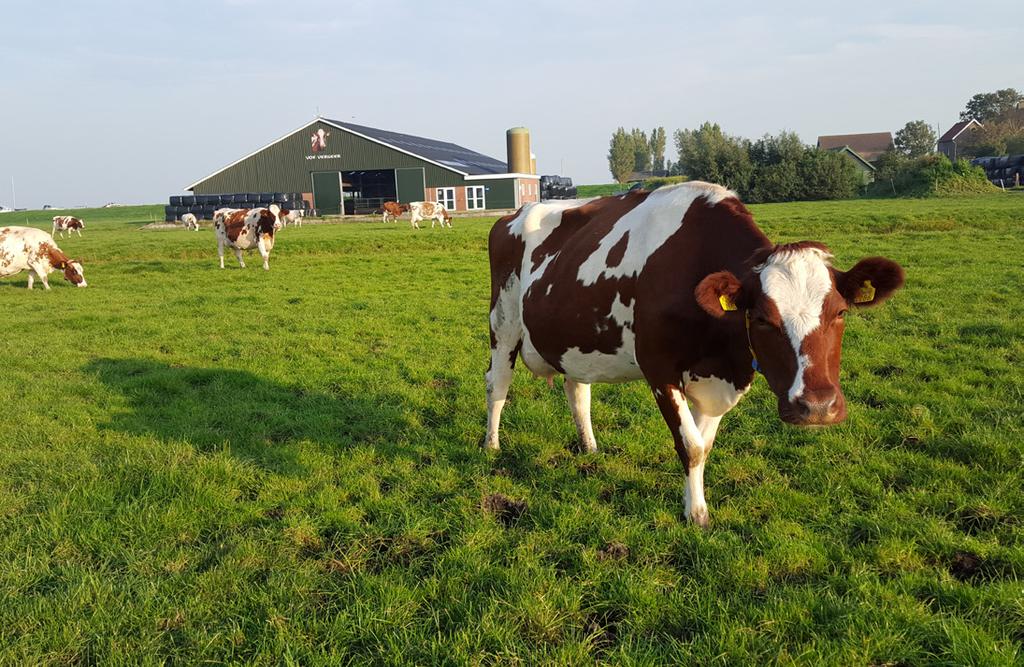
344,168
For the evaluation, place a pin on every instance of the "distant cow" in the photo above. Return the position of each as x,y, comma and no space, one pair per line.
292,217
62,223
33,250
678,288
244,229
428,210
394,210
190,221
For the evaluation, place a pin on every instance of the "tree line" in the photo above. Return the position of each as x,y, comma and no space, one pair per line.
782,167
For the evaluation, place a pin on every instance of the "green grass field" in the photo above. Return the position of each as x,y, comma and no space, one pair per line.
206,466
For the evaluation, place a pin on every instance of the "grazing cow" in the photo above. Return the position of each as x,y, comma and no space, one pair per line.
190,221
244,229
68,223
33,250
394,210
677,287
292,217
428,210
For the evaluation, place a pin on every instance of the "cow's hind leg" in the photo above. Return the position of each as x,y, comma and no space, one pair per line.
578,394
506,339
499,378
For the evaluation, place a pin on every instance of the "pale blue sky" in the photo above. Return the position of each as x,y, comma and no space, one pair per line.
132,101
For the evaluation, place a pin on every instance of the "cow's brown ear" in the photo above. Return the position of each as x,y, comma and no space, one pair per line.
870,282
719,293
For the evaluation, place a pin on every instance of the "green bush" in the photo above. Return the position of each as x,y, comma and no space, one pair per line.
930,176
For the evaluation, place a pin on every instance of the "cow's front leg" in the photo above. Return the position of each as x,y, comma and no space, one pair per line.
578,394
31,278
238,254
265,254
220,251
691,446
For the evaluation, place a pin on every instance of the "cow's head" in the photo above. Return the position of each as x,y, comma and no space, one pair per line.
792,305
73,272
278,214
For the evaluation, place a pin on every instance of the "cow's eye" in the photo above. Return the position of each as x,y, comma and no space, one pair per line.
841,314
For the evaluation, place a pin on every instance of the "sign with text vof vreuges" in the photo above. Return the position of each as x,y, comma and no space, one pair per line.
318,143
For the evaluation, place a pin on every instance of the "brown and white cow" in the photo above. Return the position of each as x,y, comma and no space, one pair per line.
33,250
244,229
393,210
69,223
190,221
428,210
292,217
679,288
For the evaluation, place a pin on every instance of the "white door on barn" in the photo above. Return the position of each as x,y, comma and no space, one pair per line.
475,197
446,196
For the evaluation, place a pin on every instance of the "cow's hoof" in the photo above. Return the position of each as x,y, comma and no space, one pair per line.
700,517
491,446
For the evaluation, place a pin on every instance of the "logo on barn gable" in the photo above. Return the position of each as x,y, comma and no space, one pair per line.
318,141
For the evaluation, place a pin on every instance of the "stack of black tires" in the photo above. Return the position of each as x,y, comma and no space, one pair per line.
203,206
1005,170
557,187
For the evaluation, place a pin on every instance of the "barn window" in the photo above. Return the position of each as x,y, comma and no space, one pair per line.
475,197
446,196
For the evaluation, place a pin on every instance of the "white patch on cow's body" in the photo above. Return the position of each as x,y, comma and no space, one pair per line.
797,281
620,366
711,395
649,225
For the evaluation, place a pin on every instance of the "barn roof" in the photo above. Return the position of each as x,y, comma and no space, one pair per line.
444,153
869,145
958,127
852,153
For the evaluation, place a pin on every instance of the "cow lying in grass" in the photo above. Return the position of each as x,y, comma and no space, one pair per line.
244,229
679,288
33,250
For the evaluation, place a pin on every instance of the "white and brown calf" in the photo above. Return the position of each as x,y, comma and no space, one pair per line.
428,210
244,229
69,223
33,250
678,288
190,221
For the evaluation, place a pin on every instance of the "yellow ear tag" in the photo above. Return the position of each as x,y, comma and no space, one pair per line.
727,303
865,294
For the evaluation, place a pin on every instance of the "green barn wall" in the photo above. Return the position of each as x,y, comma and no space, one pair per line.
500,193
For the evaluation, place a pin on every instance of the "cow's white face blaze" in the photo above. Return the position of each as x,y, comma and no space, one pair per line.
799,309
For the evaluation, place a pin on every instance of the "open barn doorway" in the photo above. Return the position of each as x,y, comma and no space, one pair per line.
366,191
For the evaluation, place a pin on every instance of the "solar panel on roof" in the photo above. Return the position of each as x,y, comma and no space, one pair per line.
443,152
